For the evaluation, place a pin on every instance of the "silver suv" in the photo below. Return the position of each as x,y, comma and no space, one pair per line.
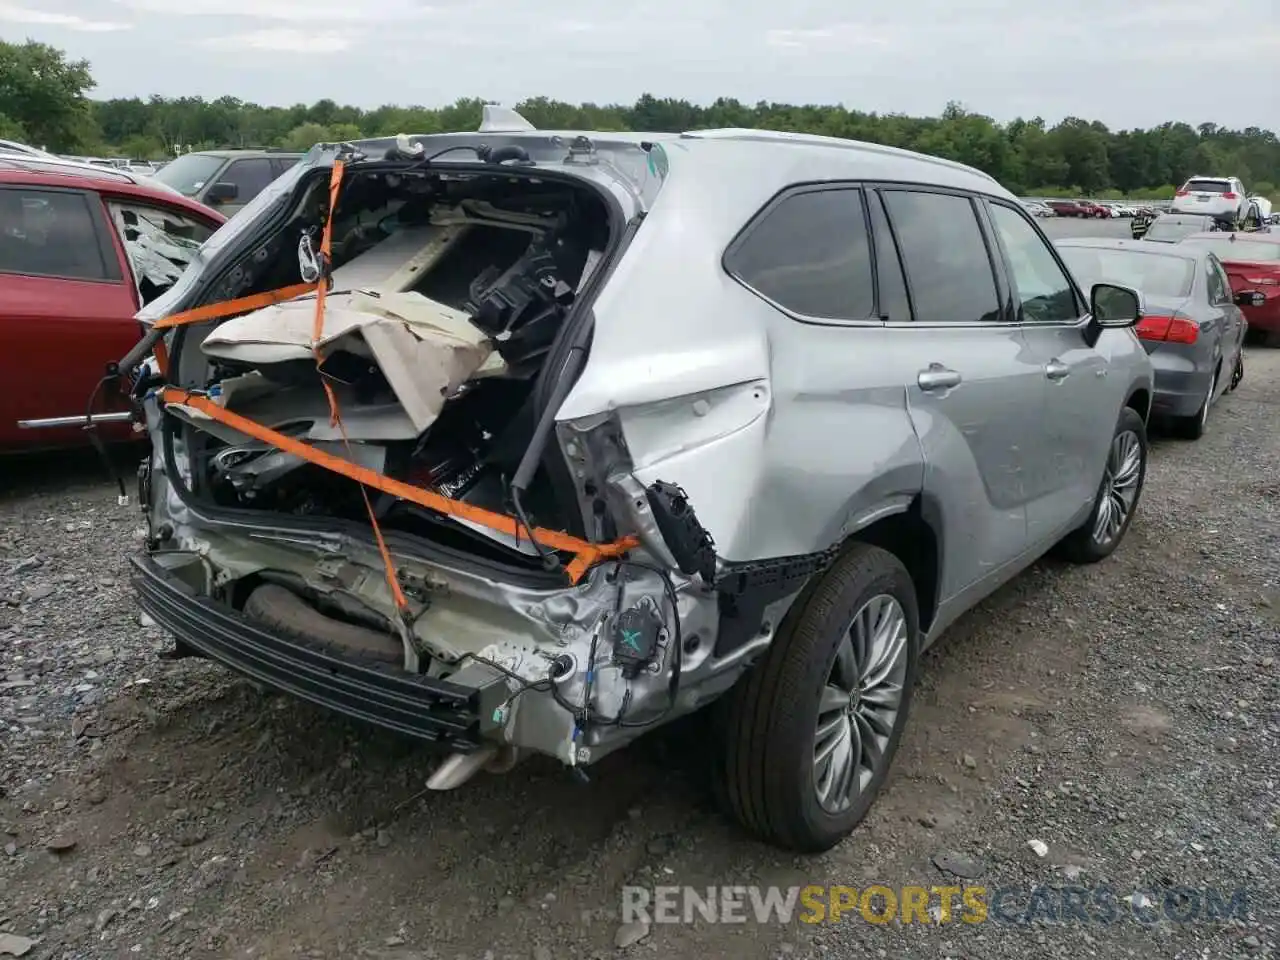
1222,198
628,425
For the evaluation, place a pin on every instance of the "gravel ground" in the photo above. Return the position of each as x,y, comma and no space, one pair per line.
1123,716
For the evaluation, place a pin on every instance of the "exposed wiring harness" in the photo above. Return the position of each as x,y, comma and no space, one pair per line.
583,717
91,429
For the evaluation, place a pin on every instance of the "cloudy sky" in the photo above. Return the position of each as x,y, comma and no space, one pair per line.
1125,62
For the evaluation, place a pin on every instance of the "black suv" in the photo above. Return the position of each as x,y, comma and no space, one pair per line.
225,179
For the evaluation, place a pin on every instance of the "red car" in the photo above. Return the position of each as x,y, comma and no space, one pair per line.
81,249
1252,261
1092,209
1067,208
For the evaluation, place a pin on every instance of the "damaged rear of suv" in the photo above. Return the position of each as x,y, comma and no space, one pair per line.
504,441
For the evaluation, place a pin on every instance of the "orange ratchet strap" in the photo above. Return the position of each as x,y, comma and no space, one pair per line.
585,553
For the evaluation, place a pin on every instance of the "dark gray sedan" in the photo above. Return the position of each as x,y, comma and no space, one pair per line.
1193,328
1172,227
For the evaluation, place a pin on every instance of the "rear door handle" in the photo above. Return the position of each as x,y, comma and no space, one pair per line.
1056,370
938,377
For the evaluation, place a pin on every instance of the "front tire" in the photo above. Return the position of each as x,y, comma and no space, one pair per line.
1237,372
1118,494
810,733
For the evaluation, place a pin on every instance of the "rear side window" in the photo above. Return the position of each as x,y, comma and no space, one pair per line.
810,254
160,244
948,268
1219,288
50,234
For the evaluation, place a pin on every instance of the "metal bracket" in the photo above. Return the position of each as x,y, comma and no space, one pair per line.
582,150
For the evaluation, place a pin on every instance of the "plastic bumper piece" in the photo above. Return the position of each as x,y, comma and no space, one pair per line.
449,714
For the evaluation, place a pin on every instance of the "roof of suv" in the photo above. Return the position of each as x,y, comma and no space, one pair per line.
40,172
780,156
238,154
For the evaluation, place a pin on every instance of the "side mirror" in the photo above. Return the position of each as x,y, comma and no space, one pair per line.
1250,298
1115,306
222,192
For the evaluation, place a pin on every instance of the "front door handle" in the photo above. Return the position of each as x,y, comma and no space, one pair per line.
1056,370
938,377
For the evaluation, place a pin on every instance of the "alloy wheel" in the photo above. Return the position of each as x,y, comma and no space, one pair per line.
859,703
1119,487
1208,401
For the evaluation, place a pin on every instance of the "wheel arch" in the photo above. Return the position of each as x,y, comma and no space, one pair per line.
1139,400
912,534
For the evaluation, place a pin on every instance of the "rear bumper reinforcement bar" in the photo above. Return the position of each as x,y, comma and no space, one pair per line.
449,714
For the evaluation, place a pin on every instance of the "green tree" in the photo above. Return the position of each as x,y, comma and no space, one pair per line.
305,136
42,100
45,92
11,129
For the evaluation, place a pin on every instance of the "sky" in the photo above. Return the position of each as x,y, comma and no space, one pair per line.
1128,63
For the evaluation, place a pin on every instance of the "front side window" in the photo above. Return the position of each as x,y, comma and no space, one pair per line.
251,177
159,243
947,264
1044,293
50,233
810,254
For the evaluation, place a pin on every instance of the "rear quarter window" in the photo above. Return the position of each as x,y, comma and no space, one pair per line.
809,253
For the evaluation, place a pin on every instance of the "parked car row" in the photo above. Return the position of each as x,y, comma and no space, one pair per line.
222,179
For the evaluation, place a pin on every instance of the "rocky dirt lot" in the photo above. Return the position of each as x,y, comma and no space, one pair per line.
1124,717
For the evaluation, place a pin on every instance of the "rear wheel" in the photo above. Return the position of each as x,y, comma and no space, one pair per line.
810,733
1193,427
1118,494
1237,372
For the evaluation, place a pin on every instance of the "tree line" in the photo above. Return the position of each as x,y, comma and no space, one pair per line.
44,100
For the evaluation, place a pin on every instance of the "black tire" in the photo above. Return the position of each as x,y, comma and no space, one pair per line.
768,721
1237,373
1081,546
288,614
1193,427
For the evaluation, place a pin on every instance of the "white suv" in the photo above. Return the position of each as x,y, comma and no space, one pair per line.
1223,198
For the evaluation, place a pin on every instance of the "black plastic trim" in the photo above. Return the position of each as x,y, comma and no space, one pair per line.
437,711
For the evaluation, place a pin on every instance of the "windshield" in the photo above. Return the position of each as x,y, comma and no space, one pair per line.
1227,249
188,173
1207,186
1155,274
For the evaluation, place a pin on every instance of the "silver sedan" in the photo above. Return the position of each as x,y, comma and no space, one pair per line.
1193,328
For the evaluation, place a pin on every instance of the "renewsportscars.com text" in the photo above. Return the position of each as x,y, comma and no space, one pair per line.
971,904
